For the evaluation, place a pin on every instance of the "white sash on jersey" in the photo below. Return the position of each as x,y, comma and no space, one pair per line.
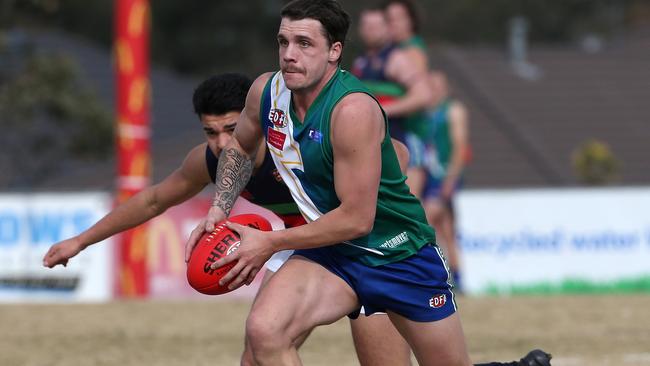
285,151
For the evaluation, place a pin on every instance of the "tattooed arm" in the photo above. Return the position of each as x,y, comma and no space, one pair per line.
233,172
235,163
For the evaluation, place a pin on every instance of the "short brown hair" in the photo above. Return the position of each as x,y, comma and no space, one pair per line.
328,12
411,9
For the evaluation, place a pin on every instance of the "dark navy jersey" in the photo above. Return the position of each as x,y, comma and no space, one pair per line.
371,70
265,188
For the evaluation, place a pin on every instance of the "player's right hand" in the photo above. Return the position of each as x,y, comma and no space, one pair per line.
60,252
215,214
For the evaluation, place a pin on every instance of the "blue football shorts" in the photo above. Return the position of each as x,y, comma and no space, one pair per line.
433,187
416,287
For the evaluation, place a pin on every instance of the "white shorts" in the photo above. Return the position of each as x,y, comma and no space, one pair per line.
277,260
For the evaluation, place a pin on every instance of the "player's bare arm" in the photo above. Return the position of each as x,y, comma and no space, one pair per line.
236,163
407,73
459,136
418,57
183,183
357,132
238,157
233,172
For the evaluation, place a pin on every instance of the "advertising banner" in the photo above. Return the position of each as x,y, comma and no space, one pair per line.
514,241
29,225
555,241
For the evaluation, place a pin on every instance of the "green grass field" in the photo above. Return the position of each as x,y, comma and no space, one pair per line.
578,330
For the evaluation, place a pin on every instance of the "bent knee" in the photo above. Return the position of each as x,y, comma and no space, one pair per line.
262,334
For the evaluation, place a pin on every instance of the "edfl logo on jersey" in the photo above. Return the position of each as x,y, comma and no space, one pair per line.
278,118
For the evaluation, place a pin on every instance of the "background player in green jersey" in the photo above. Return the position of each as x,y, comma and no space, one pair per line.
446,157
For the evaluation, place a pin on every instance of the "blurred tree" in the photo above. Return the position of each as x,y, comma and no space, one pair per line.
48,119
595,164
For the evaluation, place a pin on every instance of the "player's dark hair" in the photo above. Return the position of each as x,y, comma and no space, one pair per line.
329,13
221,94
412,11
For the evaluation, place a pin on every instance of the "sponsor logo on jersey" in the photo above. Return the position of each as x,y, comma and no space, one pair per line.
396,241
438,301
278,118
315,135
276,138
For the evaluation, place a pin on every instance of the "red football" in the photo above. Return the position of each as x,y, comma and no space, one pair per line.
213,246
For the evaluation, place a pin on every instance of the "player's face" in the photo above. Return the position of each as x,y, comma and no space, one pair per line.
305,53
399,22
373,29
218,129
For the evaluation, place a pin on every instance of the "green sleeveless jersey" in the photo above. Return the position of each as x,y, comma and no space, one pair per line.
440,137
440,133
302,152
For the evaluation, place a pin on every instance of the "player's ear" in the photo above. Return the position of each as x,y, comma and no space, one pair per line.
335,51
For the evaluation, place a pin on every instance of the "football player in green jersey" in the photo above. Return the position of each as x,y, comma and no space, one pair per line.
367,242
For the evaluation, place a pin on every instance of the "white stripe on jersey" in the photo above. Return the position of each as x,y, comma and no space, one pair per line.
289,157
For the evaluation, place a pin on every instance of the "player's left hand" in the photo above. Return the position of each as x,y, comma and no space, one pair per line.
215,214
254,250
61,252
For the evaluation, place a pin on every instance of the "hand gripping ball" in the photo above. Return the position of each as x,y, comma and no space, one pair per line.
213,246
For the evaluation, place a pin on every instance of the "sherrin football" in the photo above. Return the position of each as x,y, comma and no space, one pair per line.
213,246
